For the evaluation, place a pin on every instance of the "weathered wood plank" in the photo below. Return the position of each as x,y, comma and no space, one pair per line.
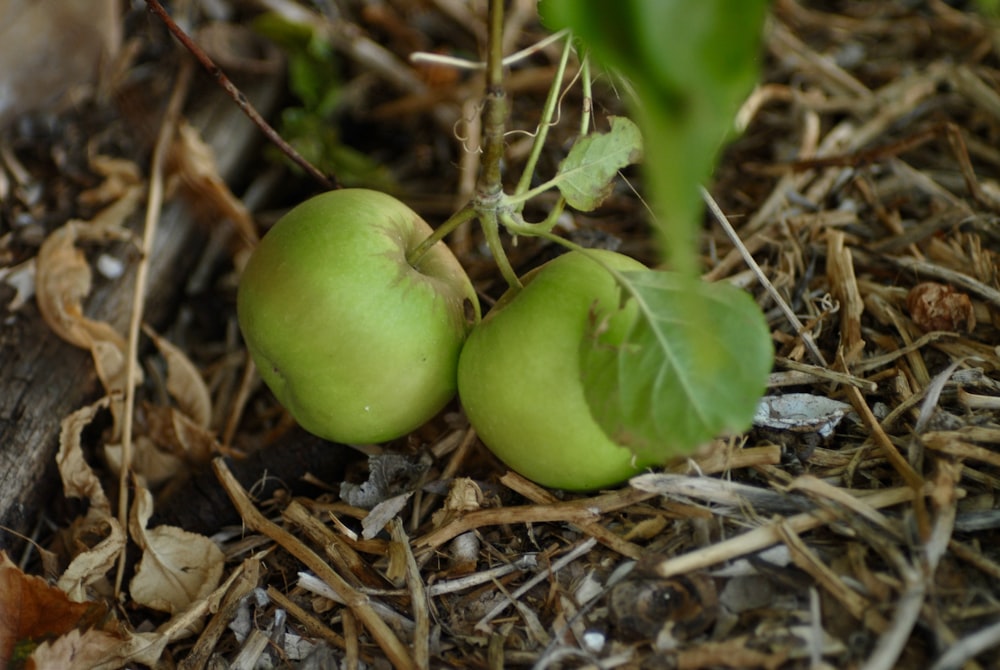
43,378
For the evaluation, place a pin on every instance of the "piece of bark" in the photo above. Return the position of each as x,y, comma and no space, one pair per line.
43,378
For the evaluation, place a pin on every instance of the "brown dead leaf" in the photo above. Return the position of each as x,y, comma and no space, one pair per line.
934,306
192,161
94,560
63,280
171,444
464,495
178,568
63,275
49,49
121,177
79,480
91,558
96,650
184,383
151,464
31,611
197,442
76,650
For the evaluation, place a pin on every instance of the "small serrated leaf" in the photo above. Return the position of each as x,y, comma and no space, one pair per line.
586,174
693,364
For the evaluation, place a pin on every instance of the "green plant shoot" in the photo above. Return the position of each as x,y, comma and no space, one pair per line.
696,360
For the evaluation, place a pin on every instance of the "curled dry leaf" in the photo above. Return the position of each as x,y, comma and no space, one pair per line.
79,481
172,444
464,495
151,465
121,177
63,276
92,565
934,306
184,383
177,569
197,443
62,282
192,161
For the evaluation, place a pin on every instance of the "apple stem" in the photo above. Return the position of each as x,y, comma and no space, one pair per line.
467,213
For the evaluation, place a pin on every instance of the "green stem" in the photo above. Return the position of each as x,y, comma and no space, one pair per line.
491,229
588,96
530,229
489,187
548,111
521,198
550,221
467,213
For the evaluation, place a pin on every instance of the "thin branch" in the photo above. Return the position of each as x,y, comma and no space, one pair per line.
326,181
800,329
154,203
465,64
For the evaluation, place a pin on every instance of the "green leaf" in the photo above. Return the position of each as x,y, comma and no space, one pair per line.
990,8
586,174
690,64
318,140
691,364
313,75
311,129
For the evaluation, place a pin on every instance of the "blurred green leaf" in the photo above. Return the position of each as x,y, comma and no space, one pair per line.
690,64
314,79
319,142
990,8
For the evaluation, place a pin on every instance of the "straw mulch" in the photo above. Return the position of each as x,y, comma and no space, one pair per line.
857,530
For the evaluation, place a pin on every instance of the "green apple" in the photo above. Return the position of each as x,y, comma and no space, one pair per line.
356,343
520,379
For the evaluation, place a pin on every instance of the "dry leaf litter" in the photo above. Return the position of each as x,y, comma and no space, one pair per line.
851,528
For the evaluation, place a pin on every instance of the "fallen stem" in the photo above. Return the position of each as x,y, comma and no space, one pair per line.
326,181
766,536
395,651
800,329
154,202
